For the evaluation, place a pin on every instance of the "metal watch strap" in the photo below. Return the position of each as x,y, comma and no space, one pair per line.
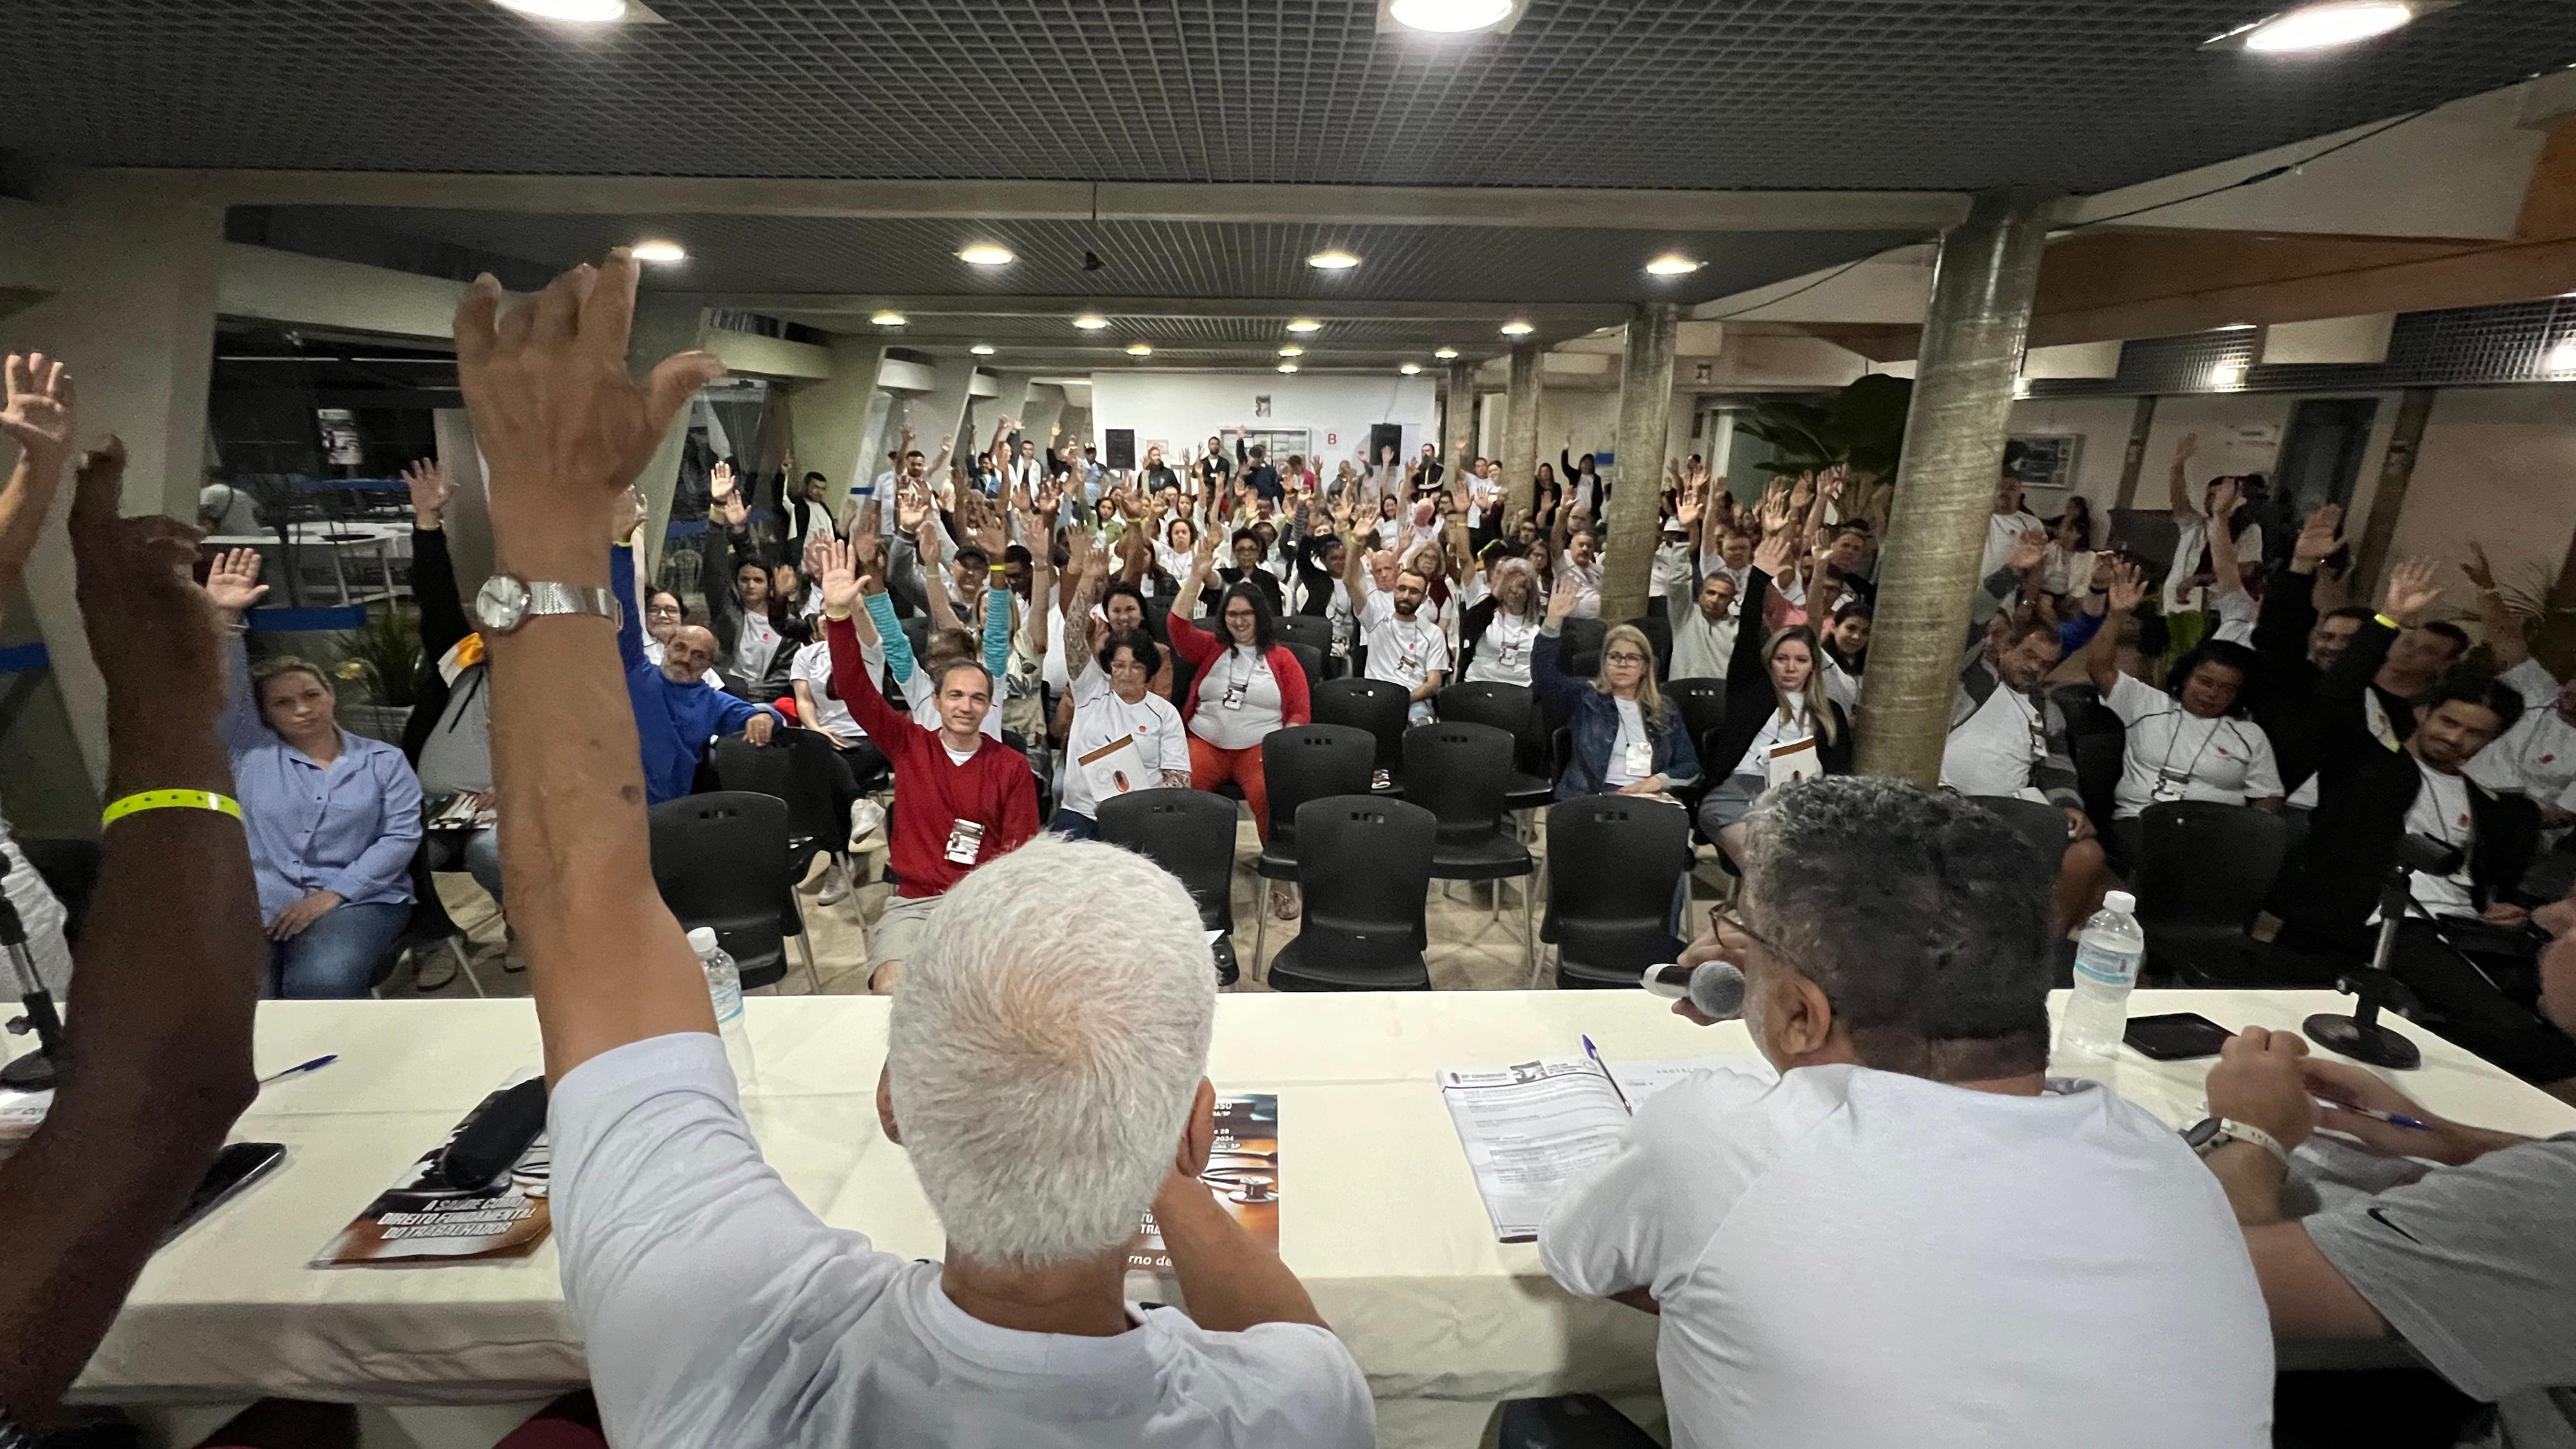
552,598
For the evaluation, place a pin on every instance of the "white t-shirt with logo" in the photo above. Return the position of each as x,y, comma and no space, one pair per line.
1403,651
1851,1259
2003,535
1100,717
2538,755
2173,754
1993,750
2441,811
716,1308
1503,653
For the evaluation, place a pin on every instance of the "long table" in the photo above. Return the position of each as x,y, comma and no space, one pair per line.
1380,1216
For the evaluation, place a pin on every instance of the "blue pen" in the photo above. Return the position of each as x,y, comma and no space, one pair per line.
315,1065
2393,1119
1594,1052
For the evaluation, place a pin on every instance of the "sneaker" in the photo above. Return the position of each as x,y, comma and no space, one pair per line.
432,969
1283,901
836,885
867,826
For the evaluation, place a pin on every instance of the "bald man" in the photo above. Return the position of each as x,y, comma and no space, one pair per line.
675,713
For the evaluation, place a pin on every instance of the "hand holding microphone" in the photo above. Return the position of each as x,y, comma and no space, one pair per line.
1708,993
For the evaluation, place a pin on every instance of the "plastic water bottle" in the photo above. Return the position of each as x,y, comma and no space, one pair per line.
724,993
2106,970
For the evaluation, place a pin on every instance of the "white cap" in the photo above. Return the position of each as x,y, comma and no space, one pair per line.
2121,901
702,939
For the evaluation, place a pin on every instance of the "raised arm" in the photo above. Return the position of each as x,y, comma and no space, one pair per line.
564,427
2177,486
433,573
2289,608
726,512
2504,631
2102,651
158,1043
232,586
36,413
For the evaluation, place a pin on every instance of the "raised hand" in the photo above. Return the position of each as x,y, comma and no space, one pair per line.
1774,514
232,582
1803,494
2028,550
626,517
151,629
2189,444
1561,600
2481,573
36,408
911,507
1687,504
2411,590
1829,486
430,489
1775,552
2224,499
2320,536
2128,587
835,569
932,545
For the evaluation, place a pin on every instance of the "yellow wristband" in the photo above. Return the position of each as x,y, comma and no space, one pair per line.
2391,623
142,800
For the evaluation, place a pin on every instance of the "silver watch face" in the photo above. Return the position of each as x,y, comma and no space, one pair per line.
501,604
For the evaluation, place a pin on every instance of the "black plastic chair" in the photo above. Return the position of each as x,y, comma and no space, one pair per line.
1313,630
1614,863
1299,764
795,767
1189,833
429,927
2099,759
1366,873
708,862
2203,870
1703,706
1310,659
1573,1421
1457,771
2041,824
1374,705
1579,647
1511,709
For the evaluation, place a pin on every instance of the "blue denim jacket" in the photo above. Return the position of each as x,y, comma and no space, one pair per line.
1593,717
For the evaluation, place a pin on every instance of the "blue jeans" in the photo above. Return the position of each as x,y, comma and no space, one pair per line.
332,959
483,861
1074,827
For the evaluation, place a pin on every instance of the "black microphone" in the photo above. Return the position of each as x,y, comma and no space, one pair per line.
1714,988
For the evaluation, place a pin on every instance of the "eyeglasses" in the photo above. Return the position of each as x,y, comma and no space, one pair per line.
1623,658
1723,919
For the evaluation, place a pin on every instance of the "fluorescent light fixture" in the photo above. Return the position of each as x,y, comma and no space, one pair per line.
1449,17
2562,357
986,254
1287,367
662,252
2332,23
1292,350
1090,321
982,349
570,12
1140,349
1332,261
1304,325
2227,373
1517,328
1446,353
888,318
1410,368
1672,264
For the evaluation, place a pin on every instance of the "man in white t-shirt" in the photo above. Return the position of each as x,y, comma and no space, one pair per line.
1912,1235
1582,563
1044,1069
1405,643
2010,522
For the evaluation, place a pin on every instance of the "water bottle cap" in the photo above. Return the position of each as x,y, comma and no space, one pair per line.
2121,901
702,939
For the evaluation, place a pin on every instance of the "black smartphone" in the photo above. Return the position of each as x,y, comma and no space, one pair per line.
2178,1036
236,1167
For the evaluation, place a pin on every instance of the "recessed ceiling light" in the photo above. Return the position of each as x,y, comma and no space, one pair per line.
982,349
1140,349
663,252
2332,23
1287,367
985,254
1445,353
1448,17
1672,264
2227,373
1090,321
1292,350
1410,368
1517,328
888,318
1333,261
571,12
1304,325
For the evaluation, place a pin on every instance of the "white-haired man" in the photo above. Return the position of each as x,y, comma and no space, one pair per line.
1045,1064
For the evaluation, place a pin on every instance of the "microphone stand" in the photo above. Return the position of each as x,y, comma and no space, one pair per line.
2360,1036
37,1070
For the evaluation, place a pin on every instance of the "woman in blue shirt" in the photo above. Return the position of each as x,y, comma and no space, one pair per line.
1628,738
334,818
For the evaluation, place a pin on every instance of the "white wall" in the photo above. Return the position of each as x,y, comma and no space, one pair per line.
1180,409
2497,467
1590,416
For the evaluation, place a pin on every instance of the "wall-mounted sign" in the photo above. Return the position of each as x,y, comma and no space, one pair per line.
1261,405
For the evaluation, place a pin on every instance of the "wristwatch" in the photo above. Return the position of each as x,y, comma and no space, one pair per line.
2212,1133
507,601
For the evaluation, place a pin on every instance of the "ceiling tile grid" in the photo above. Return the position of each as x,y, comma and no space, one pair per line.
1831,94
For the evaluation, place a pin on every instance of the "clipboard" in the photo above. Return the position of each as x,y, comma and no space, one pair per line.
1116,768
1795,761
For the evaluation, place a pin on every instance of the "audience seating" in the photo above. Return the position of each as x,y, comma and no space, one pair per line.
1189,833
1312,630
1659,635
1511,709
1310,659
2201,874
1299,764
1373,705
2037,821
1579,647
430,926
1457,771
1703,707
720,860
1574,1421
795,767
1366,874
1614,865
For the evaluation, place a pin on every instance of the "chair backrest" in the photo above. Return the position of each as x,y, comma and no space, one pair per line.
720,860
2041,824
789,769
1702,701
1659,640
1580,646
1374,705
1309,762
2099,758
1613,863
1507,707
1461,773
2201,863
1309,629
1310,659
1189,833
1364,866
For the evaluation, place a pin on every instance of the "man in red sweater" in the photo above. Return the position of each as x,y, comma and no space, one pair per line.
961,796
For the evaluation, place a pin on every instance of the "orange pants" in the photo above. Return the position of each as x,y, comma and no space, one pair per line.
1211,767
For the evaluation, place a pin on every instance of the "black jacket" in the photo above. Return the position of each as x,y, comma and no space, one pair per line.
1750,699
442,623
2291,699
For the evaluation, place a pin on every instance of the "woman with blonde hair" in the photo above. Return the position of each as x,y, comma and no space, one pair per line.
1776,702
1628,738
1500,630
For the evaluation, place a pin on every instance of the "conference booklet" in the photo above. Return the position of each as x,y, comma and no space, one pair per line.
1531,1129
421,1218
1243,1172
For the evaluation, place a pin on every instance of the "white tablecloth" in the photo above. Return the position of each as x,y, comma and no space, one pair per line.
1380,1216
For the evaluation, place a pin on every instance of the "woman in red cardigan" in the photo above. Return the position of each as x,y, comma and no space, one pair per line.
1247,685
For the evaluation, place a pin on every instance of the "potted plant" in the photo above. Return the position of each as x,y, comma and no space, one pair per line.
379,662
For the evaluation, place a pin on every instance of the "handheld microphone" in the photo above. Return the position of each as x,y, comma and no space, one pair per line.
1715,988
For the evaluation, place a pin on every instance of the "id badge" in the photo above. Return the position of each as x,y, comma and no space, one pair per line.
1410,662
2170,786
965,841
1641,760
1233,696
1341,646
1511,653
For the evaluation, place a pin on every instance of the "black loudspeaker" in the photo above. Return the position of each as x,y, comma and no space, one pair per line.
1383,436
1120,454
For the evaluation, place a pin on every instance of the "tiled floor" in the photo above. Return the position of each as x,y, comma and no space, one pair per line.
1470,949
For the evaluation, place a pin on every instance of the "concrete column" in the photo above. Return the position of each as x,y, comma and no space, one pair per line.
663,325
940,412
1458,417
1645,417
1041,413
830,417
1945,487
1520,431
1077,425
1010,400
